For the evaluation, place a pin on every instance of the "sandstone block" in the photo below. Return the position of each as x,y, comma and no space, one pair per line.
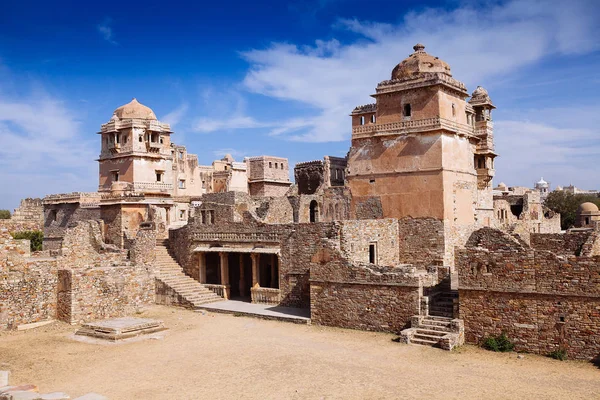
4,375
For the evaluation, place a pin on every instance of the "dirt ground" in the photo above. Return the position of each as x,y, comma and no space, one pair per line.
216,356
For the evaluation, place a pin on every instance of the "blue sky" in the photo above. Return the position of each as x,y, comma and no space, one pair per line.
280,78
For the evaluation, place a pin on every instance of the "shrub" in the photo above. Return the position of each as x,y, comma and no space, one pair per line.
36,238
4,214
558,354
498,343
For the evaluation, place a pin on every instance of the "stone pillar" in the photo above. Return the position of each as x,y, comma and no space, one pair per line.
225,273
242,285
255,270
273,270
202,267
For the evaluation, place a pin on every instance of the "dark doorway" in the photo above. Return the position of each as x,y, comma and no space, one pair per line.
213,268
314,210
239,288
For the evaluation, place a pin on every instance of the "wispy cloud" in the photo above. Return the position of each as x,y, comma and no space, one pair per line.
174,117
106,31
480,43
236,154
43,150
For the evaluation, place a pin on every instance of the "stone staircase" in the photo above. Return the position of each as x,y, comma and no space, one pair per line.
435,331
442,304
174,287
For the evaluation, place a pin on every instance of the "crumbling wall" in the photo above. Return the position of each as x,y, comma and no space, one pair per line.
543,302
570,243
58,217
421,241
104,292
362,296
27,285
29,211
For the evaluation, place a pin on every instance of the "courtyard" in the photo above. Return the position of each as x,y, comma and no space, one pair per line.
224,356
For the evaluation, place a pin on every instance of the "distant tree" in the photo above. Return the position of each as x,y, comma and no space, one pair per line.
4,214
36,238
566,205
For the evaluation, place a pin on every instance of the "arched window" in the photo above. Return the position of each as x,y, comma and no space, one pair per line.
314,211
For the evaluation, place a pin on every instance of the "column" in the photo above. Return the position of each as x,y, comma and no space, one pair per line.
273,270
255,269
242,285
202,267
225,273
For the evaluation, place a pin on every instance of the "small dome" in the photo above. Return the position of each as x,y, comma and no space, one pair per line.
134,110
502,186
228,158
587,208
418,63
480,96
542,182
558,188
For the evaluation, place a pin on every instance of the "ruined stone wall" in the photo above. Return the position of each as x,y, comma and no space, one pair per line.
543,302
421,241
309,176
357,236
58,217
360,296
570,243
29,211
27,285
106,292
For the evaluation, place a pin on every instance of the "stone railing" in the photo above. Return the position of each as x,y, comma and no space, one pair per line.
410,126
220,290
266,296
160,186
236,237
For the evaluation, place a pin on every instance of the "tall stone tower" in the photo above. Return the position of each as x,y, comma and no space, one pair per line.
416,152
136,151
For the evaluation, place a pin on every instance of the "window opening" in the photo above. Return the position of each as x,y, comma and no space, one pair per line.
407,110
373,253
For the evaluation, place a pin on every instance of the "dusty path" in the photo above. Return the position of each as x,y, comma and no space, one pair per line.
218,356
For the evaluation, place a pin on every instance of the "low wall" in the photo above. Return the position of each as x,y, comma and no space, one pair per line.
96,293
543,302
363,296
570,243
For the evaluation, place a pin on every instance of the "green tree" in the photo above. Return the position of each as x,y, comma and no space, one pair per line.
566,204
4,214
36,238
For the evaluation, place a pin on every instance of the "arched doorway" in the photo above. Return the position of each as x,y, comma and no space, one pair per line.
314,211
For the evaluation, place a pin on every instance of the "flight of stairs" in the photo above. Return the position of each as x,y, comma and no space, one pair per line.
433,331
430,330
442,304
174,287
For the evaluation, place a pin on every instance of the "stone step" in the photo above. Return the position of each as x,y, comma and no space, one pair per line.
435,328
429,332
438,318
441,314
424,342
421,336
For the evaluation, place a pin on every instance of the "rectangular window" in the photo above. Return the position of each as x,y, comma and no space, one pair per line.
407,110
159,176
115,176
181,184
270,165
203,184
181,155
373,253
181,214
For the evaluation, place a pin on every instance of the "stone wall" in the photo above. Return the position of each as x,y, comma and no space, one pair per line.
363,296
421,241
543,302
570,243
358,236
58,217
29,211
103,292
27,285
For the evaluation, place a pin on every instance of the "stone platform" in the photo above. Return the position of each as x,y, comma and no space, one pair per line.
237,307
120,328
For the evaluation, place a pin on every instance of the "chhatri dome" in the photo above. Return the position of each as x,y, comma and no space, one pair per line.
588,207
134,110
418,63
542,182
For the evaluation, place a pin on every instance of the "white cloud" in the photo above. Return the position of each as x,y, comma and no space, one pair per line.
236,154
43,150
174,117
480,44
106,31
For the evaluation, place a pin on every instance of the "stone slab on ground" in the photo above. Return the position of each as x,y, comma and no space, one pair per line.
120,328
288,314
24,327
4,375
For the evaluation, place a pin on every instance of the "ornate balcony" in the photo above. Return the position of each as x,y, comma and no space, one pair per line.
412,126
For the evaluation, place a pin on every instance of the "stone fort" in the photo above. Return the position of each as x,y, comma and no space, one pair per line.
403,235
